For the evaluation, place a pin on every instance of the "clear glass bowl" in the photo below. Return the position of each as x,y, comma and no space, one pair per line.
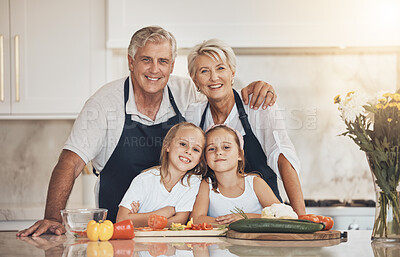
76,220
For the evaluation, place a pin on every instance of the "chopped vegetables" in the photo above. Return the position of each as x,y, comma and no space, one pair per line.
202,226
177,226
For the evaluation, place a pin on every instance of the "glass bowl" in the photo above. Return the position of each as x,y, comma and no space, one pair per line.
76,220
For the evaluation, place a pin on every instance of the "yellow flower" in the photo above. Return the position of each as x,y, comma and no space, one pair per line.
386,105
388,95
393,104
396,97
398,107
389,119
349,93
379,106
337,99
382,100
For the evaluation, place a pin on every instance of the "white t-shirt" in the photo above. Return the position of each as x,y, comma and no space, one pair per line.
97,129
267,125
222,205
152,195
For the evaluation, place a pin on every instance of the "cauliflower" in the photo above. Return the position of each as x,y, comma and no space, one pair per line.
278,211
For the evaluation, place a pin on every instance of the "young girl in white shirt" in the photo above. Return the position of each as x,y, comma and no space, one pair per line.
171,188
226,186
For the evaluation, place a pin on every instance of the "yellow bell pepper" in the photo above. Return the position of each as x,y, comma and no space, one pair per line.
102,230
189,223
99,249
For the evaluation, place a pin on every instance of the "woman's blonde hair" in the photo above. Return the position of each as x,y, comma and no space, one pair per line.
199,169
241,163
216,50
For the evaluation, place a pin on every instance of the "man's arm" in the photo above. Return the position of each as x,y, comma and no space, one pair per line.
262,92
68,168
292,185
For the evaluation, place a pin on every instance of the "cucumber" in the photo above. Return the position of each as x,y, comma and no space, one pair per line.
262,225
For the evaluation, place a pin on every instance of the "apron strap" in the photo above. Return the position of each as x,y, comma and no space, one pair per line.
242,114
203,117
170,96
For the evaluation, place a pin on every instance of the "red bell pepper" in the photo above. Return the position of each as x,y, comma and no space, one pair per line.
123,230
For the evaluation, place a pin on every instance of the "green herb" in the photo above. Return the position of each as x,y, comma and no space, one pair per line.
239,212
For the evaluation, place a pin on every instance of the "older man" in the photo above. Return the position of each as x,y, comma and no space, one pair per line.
121,127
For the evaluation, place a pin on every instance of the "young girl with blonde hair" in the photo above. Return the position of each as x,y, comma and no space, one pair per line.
226,187
171,188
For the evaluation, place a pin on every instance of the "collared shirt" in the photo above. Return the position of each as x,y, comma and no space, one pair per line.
163,114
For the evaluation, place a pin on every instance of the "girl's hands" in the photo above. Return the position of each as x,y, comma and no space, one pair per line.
135,207
227,219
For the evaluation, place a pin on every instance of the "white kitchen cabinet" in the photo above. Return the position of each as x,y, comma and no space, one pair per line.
260,23
53,56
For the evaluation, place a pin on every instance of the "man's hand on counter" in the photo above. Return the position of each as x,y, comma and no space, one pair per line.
43,226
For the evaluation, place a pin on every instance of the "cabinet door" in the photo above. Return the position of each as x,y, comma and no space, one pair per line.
52,46
4,58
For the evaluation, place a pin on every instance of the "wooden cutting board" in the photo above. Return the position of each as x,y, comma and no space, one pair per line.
320,235
181,233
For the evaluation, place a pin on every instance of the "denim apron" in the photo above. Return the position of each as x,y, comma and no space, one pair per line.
253,152
138,148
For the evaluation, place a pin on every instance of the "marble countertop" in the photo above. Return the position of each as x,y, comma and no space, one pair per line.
358,243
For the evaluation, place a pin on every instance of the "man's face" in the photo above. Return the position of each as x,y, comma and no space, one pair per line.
151,68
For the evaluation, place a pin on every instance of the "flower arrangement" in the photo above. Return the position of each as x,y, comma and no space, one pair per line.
374,125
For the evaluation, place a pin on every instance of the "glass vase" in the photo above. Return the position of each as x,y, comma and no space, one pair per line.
387,212
387,217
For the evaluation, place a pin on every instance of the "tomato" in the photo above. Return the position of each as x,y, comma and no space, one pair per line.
328,221
207,226
157,221
311,217
202,226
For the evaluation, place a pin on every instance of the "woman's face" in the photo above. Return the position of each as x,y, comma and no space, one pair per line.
213,78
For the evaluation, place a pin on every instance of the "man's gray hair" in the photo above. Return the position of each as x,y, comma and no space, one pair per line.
216,50
153,34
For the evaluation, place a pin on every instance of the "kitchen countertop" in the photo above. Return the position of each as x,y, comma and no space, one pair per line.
36,211
358,243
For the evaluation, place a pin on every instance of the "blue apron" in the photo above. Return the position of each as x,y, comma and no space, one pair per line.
138,148
253,152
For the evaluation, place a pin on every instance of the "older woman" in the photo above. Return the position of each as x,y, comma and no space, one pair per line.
268,149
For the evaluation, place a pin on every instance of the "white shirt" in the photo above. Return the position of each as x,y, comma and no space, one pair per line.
248,201
97,129
267,125
152,195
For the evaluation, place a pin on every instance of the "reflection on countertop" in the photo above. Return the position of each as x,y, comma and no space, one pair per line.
358,243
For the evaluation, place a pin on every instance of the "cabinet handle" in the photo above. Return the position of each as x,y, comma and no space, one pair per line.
16,68
1,69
